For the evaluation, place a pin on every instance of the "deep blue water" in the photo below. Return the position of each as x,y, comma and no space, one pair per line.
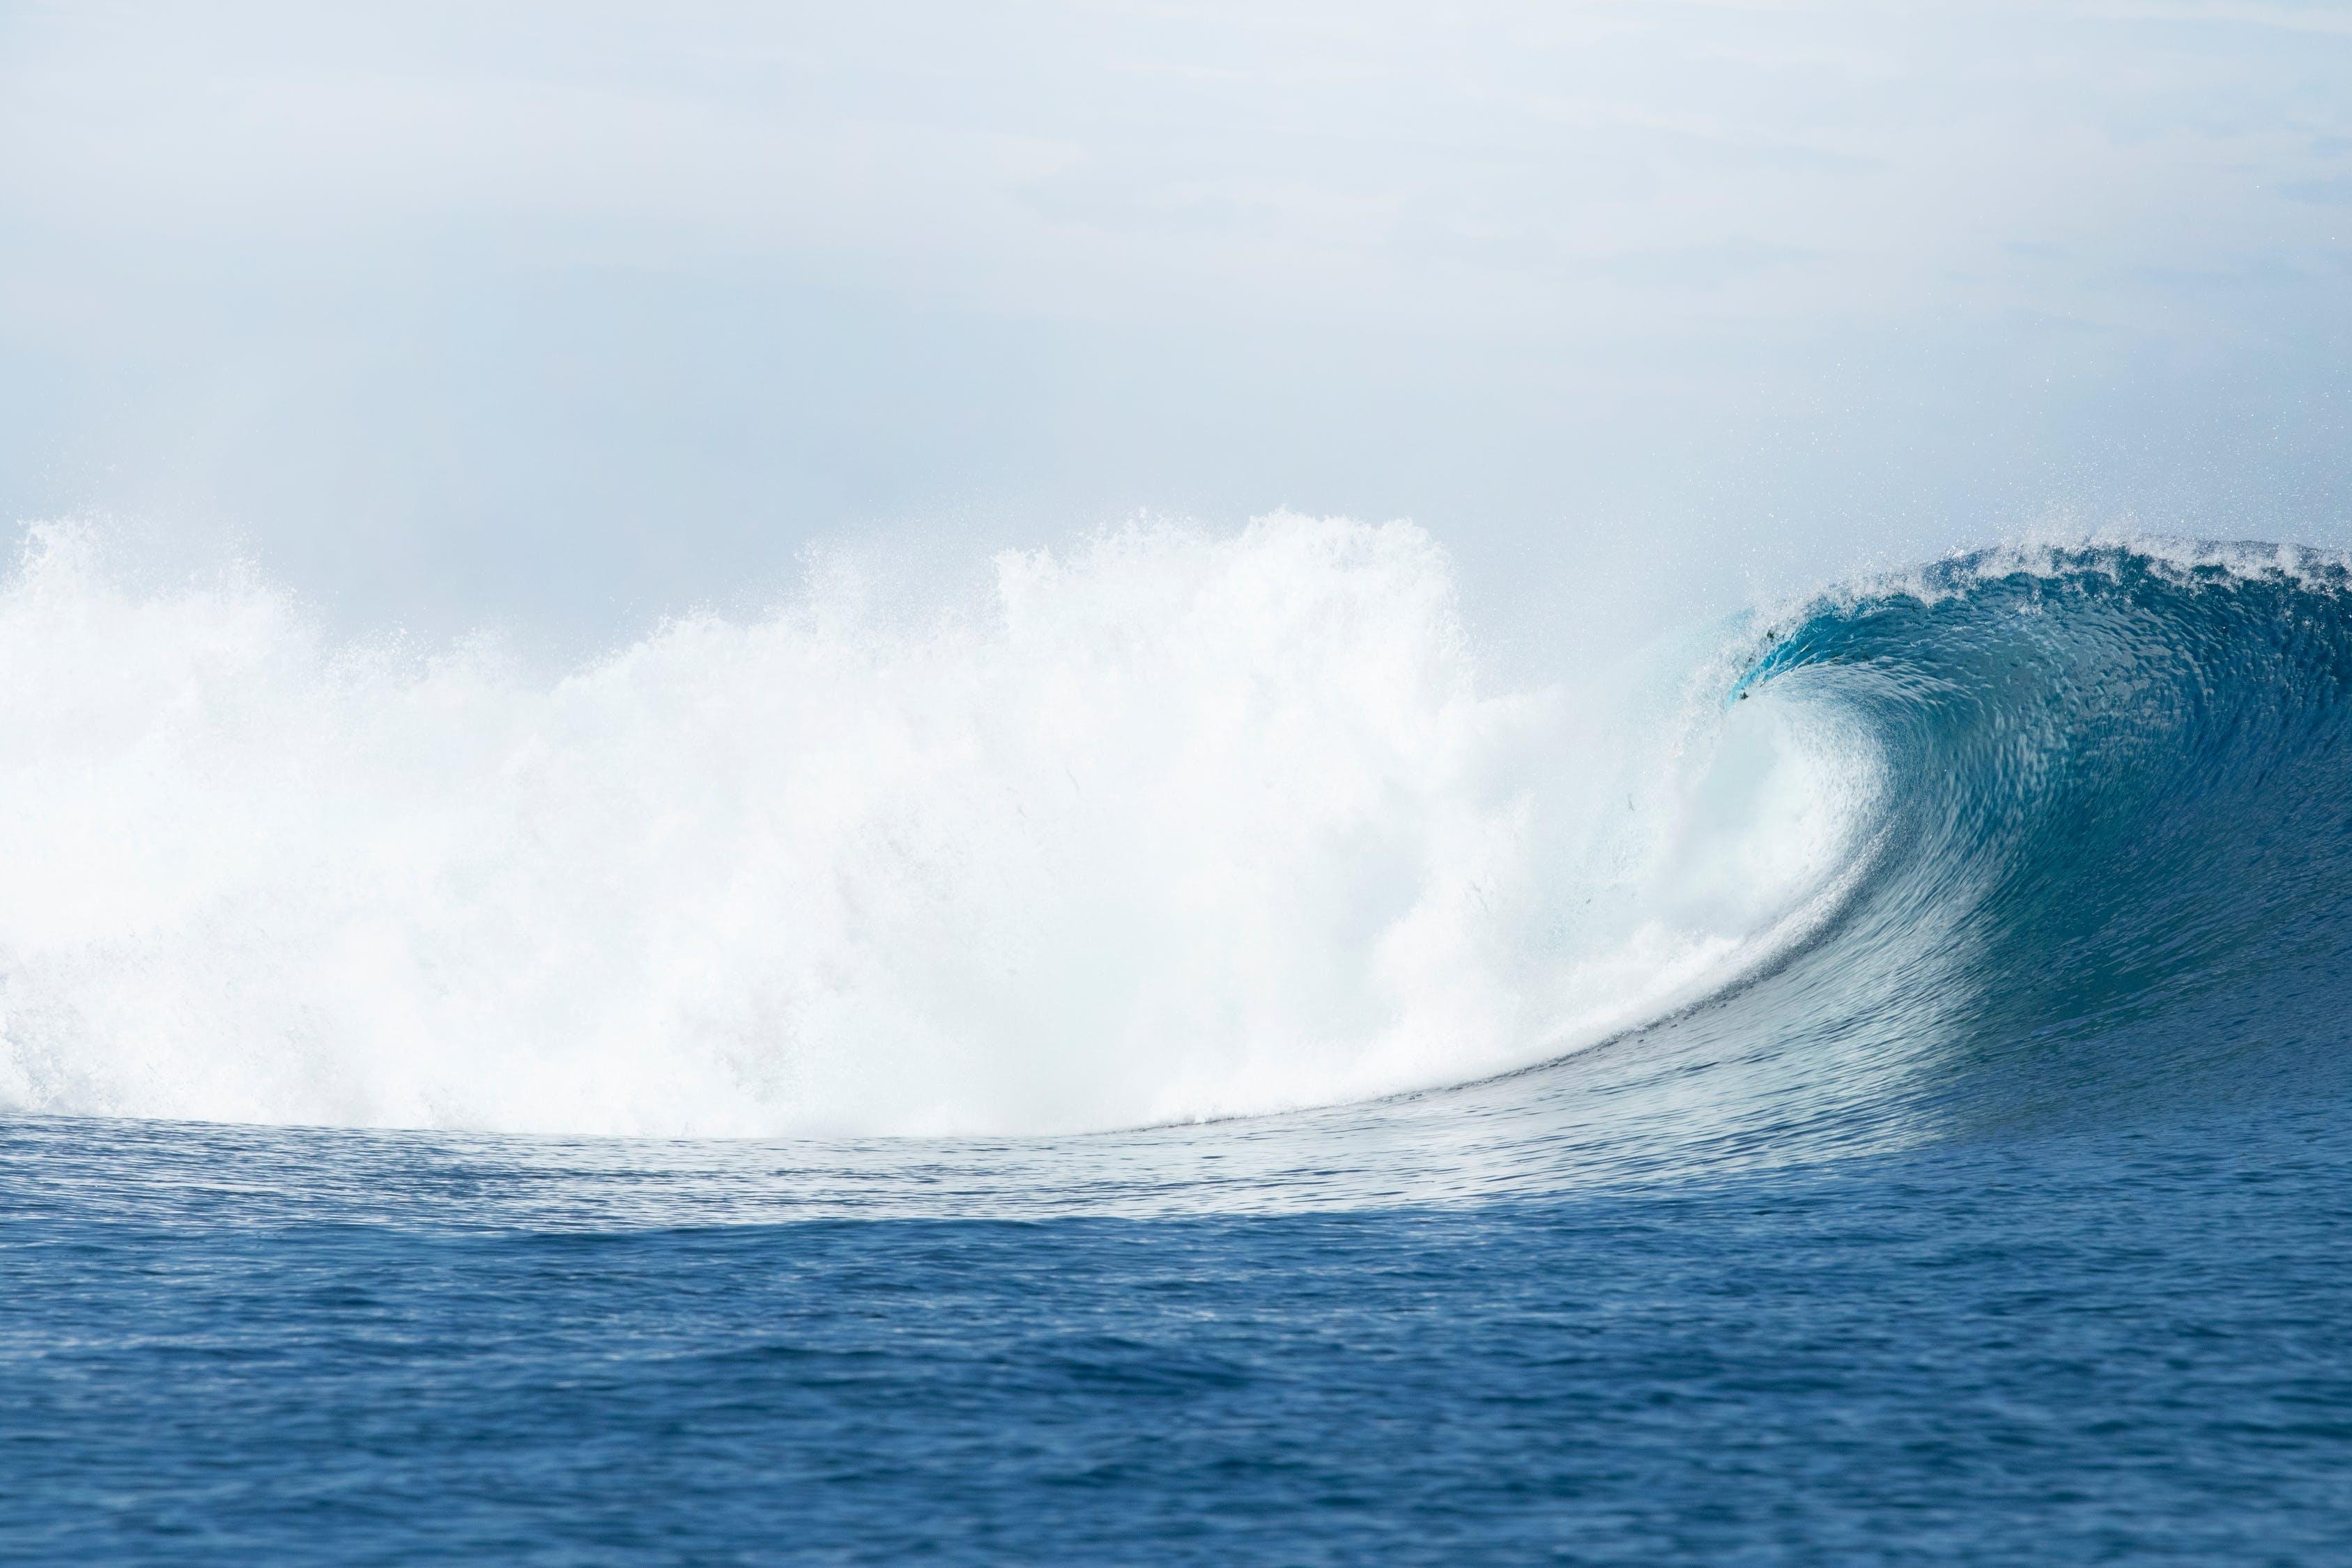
2008,1221
2129,1345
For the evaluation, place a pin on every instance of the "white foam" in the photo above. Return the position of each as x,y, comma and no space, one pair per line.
1177,826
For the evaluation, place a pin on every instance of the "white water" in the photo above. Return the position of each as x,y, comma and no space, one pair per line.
1173,825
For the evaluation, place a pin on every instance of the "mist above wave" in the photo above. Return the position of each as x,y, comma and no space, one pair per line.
1173,825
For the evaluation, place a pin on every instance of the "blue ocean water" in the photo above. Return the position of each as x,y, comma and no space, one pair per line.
2002,1218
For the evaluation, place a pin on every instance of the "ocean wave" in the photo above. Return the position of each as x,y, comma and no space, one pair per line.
1179,826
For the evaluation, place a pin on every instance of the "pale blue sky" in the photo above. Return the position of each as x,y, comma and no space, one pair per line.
567,315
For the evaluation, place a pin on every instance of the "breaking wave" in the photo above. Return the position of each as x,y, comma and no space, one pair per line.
1177,826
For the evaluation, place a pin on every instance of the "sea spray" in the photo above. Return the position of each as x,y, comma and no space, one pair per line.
1173,825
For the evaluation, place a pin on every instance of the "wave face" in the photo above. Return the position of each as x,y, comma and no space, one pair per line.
2117,851
1175,828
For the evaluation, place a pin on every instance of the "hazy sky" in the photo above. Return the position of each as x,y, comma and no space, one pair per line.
566,315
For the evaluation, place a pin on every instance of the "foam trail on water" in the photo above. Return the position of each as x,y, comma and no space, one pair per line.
1176,824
